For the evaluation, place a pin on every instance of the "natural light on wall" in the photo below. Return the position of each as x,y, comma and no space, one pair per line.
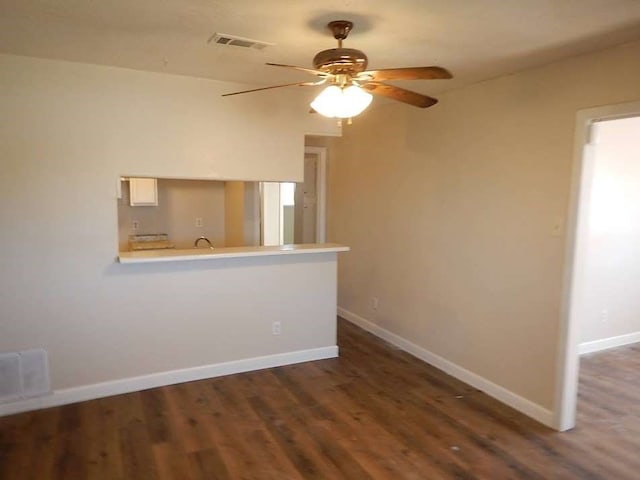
287,193
337,102
614,200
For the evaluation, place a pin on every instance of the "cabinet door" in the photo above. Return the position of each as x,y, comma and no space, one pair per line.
143,192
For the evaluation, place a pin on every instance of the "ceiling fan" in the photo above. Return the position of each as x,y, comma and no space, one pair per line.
350,84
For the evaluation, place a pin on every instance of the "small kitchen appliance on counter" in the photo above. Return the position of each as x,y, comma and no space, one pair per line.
151,241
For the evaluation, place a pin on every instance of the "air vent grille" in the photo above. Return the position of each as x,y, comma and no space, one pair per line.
23,375
226,39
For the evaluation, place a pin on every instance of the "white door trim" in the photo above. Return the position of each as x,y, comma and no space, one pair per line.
568,352
321,191
270,213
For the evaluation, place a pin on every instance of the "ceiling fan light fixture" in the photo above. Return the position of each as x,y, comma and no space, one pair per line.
337,102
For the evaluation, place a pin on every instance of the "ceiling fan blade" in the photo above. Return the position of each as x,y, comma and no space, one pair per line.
409,73
303,84
400,94
302,69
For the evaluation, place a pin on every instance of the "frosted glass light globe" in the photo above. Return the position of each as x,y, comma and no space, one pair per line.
336,102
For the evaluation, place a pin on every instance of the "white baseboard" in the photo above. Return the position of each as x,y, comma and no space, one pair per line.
606,343
144,382
529,408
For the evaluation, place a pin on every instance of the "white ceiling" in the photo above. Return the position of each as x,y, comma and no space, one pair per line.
474,39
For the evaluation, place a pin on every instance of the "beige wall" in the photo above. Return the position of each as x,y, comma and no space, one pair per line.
68,131
450,212
180,202
316,141
234,213
251,228
609,300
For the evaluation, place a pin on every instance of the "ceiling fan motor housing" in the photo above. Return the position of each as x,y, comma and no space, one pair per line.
341,60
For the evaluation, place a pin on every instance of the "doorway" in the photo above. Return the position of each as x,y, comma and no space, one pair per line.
296,212
596,204
309,221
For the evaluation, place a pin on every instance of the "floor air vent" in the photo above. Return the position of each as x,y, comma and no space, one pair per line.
225,39
23,374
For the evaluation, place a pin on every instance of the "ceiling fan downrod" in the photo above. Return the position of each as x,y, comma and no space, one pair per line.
340,30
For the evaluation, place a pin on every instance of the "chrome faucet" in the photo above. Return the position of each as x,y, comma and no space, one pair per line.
195,244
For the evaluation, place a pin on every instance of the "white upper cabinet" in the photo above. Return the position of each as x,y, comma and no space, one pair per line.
143,192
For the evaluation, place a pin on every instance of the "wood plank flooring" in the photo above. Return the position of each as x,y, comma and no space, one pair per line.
374,413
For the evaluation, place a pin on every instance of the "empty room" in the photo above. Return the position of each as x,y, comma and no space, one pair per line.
348,239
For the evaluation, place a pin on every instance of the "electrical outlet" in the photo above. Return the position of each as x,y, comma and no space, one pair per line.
199,222
374,303
604,316
276,328
135,224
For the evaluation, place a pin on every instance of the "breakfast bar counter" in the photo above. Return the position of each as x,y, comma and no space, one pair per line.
191,254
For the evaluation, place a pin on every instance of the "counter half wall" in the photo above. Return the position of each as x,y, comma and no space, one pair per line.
225,311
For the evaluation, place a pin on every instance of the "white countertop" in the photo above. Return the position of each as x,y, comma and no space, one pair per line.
176,255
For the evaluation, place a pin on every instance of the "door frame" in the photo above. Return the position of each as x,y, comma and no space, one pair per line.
568,363
321,191
321,198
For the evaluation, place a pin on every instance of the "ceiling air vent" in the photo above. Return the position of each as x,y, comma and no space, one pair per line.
225,39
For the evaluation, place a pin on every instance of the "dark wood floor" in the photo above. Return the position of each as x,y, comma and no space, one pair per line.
375,412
